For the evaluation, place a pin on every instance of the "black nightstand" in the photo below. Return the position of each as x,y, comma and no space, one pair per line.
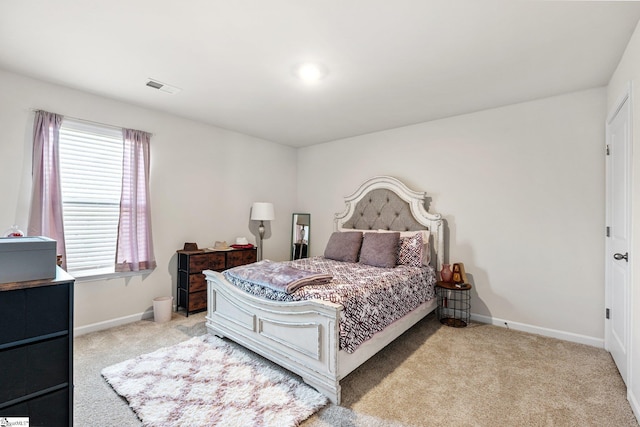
454,303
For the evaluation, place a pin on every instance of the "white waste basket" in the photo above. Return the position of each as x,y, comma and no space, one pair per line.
162,307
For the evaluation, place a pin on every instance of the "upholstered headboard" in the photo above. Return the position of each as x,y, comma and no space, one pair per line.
385,203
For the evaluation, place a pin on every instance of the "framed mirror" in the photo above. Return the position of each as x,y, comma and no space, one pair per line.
300,232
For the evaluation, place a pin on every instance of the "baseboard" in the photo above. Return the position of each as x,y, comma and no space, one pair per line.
81,330
635,405
553,333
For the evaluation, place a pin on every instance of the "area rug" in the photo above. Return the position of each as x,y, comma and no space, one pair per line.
207,382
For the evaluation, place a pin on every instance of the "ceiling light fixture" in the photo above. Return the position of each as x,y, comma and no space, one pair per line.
310,72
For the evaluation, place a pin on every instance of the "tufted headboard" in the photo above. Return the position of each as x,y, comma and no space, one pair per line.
385,203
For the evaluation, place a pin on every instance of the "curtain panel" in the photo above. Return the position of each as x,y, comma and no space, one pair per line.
45,216
134,250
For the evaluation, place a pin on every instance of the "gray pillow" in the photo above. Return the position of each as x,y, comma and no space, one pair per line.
344,246
380,249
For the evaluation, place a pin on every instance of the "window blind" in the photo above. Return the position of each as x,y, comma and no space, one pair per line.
91,180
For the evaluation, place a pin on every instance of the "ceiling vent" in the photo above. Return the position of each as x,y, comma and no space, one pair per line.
162,86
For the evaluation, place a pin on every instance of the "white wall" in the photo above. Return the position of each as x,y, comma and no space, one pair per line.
521,189
629,71
203,181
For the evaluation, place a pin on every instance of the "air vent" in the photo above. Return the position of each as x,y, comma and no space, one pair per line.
154,85
162,86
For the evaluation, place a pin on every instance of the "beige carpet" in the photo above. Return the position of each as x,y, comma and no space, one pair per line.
431,376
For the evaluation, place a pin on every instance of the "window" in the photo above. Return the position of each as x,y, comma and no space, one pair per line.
90,193
91,179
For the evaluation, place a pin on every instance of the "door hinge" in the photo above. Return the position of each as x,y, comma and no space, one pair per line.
607,313
608,231
608,152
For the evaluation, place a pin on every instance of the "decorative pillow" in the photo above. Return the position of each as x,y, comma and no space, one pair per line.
426,252
380,249
410,250
344,246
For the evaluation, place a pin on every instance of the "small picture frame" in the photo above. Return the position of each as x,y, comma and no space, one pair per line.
459,275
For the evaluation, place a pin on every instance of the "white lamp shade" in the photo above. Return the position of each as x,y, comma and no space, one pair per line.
262,211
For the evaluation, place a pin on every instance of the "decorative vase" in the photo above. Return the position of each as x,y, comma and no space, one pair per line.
446,274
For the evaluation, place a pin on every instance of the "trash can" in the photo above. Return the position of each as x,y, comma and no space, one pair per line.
162,308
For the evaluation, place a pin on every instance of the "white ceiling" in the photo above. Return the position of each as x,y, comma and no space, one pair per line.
391,63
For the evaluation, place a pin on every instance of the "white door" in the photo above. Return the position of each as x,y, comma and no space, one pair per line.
617,256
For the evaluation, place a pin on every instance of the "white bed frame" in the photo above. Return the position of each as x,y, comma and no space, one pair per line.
303,336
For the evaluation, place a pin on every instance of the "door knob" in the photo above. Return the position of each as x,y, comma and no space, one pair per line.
620,256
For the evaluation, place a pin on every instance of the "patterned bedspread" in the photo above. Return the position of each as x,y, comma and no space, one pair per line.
372,297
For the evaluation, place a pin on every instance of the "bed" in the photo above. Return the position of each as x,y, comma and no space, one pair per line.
304,336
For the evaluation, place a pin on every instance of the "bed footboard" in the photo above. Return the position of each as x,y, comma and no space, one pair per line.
299,336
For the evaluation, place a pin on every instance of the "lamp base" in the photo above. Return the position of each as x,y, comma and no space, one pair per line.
261,233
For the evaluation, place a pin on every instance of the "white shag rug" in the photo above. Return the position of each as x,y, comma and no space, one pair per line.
206,382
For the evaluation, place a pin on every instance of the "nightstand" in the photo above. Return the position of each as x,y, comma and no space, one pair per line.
454,303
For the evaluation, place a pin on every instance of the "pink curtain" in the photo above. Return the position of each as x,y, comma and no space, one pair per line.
135,246
45,217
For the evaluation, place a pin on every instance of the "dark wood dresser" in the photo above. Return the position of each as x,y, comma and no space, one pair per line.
192,285
36,350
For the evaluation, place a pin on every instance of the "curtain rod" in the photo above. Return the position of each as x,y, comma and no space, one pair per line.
35,110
